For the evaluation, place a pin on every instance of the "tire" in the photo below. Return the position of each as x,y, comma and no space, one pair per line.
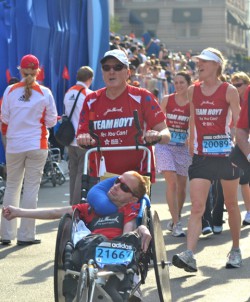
53,179
160,259
2,190
60,178
63,236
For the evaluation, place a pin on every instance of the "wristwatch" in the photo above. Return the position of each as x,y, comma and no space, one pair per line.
248,157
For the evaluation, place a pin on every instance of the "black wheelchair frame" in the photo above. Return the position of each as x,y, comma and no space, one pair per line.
155,257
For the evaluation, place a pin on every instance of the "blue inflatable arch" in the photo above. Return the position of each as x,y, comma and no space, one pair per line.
60,33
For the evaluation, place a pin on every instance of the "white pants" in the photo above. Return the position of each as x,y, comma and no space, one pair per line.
25,170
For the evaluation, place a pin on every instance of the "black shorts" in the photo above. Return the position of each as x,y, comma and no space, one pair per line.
212,168
245,177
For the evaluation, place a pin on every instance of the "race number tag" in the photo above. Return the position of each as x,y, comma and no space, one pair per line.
113,252
216,144
178,136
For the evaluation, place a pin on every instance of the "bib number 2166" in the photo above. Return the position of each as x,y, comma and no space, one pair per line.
113,255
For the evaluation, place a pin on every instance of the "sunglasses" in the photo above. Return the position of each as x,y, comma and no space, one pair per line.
124,187
117,67
238,85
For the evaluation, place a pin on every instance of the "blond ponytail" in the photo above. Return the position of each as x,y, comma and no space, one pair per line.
29,76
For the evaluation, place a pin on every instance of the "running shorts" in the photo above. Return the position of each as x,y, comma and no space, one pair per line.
212,168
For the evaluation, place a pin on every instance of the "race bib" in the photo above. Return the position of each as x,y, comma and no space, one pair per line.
216,144
178,136
113,252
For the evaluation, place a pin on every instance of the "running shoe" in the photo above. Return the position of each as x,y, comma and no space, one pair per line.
186,261
177,230
217,229
246,221
207,230
234,259
170,226
5,241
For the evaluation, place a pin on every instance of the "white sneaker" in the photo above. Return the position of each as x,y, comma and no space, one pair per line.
170,226
177,230
217,229
207,230
186,261
234,259
246,221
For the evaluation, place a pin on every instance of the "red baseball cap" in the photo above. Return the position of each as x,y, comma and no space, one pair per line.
29,61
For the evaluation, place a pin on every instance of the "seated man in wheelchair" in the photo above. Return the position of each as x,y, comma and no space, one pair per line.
126,191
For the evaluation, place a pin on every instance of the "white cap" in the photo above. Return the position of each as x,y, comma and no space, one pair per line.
118,54
207,55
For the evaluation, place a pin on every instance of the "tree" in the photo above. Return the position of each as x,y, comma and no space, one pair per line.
114,24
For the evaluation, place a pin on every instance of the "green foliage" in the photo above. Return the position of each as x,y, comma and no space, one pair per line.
114,24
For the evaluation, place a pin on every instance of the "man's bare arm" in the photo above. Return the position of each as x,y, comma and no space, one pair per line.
159,133
242,136
11,212
142,231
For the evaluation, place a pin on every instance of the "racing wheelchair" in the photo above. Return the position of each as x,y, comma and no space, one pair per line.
93,277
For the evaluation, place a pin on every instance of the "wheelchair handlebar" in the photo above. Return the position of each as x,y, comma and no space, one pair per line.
140,133
123,148
138,145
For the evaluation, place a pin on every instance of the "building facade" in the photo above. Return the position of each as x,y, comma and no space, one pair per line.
185,25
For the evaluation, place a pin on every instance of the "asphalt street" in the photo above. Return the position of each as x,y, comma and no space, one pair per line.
26,273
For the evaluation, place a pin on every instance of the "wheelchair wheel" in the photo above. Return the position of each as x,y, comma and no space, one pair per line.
2,190
63,236
160,259
60,178
83,285
53,179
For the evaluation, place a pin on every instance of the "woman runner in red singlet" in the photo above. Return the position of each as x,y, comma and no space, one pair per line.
213,104
173,159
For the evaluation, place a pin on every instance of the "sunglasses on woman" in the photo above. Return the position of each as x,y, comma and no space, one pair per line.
117,67
124,187
238,85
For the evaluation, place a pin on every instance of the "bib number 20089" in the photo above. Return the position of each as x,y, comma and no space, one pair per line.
216,145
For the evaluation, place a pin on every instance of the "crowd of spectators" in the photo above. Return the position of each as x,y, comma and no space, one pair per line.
155,72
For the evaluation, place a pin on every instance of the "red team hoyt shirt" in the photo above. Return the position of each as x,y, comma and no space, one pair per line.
212,116
243,122
110,226
177,120
114,124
